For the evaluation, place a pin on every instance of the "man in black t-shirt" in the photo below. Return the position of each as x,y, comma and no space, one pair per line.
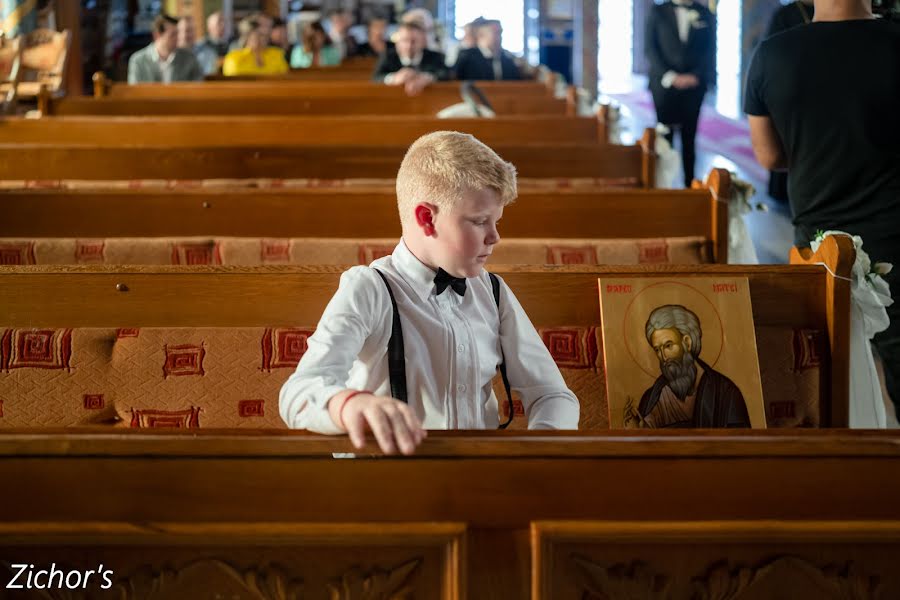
823,100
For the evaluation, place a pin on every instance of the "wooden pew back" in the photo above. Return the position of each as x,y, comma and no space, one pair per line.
298,88
252,324
424,104
295,130
634,165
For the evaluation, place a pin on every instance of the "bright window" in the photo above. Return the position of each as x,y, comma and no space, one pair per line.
728,60
510,13
615,35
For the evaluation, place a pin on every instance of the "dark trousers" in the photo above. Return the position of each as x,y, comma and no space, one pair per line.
680,110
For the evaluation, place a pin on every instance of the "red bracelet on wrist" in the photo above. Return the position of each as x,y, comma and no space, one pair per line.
344,405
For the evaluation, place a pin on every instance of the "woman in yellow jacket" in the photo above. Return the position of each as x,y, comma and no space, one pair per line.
254,57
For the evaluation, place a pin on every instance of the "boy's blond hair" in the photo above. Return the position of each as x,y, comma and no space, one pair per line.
440,167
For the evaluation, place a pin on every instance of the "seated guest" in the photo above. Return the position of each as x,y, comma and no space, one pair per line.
409,63
265,28
422,17
459,323
488,60
337,26
255,57
162,61
214,46
315,49
279,37
376,43
187,33
468,41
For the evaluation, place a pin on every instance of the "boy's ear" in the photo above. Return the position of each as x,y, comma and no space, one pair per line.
425,213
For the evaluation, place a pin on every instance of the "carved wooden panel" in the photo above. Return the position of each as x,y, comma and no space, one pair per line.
716,560
261,561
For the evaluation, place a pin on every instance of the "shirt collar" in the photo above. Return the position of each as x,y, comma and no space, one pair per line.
155,55
486,52
683,3
412,62
417,274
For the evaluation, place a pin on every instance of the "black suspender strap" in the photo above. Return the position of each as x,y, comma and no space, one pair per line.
396,353
495,285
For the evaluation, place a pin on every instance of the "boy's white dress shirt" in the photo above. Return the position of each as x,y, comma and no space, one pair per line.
452,346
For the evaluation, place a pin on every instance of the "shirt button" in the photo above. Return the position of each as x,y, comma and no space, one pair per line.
461,347
461,388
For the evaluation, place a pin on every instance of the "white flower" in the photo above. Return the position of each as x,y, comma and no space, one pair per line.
693,16
882,268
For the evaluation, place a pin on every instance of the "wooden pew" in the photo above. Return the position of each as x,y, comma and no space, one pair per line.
378,131
796,298
293,88
423,104
633,164
473,515
358,213
231,511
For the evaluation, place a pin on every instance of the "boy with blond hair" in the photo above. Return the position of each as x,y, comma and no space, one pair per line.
432,301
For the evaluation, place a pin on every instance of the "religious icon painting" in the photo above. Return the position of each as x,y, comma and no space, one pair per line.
680,353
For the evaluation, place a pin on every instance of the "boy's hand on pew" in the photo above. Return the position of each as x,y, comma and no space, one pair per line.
393,423
418,83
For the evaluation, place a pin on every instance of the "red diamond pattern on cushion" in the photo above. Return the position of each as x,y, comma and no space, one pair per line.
571,255
184,419
93,401
806,349
251,408
127,332
275,251
196,253
518,407
183,359
36,348
17,253
653,252
89,251
370,252
283,348
572,347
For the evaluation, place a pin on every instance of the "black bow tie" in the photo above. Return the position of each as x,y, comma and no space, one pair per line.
443,279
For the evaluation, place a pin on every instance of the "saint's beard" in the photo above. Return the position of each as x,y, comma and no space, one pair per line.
680,374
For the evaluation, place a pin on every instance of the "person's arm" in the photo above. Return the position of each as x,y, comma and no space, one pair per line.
438,68
382,68
195,71
461,68
658,62
229,65
548,402
331,350
767,144
133,68
316,397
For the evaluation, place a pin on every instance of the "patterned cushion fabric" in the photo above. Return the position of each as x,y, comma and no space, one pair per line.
335,251
230,377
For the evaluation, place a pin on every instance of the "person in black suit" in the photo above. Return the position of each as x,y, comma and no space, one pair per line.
487,60
681,48
409,63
